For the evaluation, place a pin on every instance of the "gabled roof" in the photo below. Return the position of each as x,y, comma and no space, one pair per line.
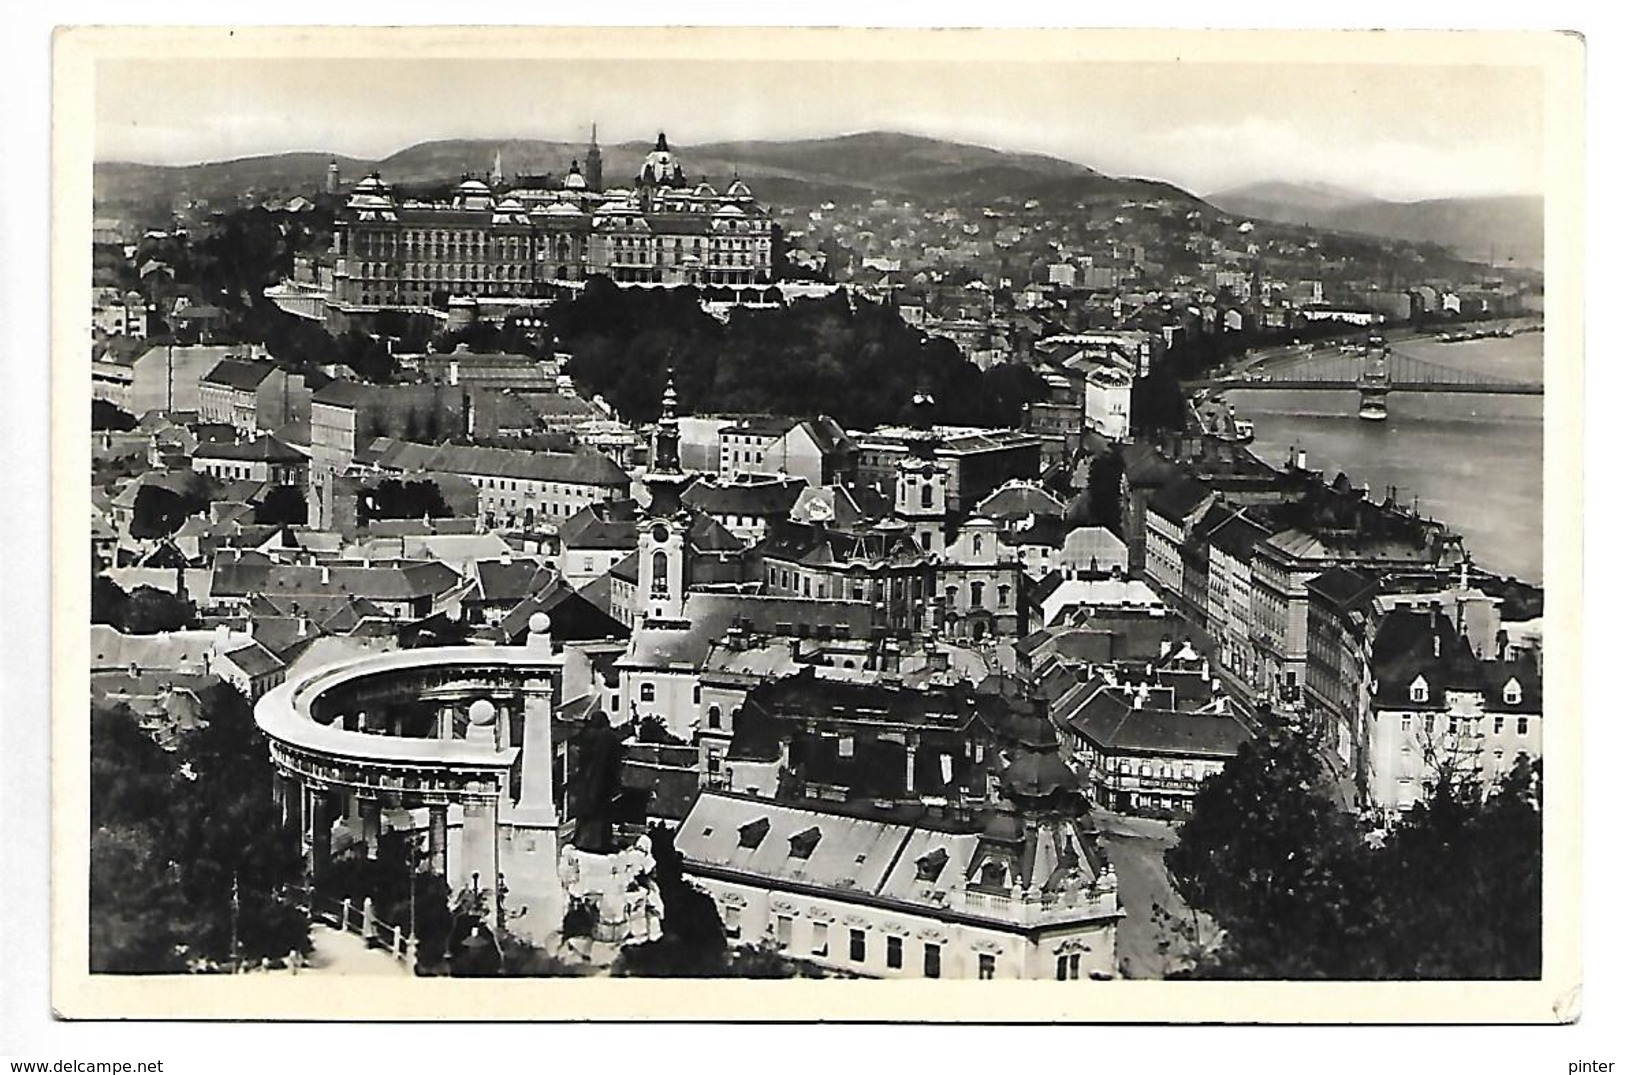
1237,535
239,373
1344,586
1106,717
1016,499
774,498
255,660
1179,499
584,466
266,449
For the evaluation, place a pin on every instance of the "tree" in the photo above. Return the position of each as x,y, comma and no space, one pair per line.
1105,491
1273,860
395,499
236,845
1300,890
283,506
144,611
152,611
105,415
186,848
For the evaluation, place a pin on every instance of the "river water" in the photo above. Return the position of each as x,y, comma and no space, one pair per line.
1471,461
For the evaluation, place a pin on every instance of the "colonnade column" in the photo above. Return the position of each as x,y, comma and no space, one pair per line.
370,824
318,817
437,838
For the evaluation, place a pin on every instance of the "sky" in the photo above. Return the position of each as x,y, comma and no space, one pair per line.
1404,132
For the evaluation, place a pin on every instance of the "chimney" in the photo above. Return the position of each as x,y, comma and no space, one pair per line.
1165,647
304,626
1436,642
327,575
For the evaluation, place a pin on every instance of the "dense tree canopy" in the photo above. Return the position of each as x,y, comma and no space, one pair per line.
395,499
799,359
145,610
1301,890
108,416
186,850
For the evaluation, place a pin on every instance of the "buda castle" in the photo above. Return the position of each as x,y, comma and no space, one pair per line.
498,244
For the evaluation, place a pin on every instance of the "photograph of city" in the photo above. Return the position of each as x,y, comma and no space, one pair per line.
911,518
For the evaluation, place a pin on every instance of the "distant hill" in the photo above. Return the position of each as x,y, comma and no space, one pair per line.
850,167
1287,202
121,181
1514,225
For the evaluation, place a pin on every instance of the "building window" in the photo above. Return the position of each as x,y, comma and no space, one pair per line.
1523,725
1004,597
894,953
927,495
1512,694
785,929
713,719
730,920
976,594
1419,689
696,694
976,545
659,564
820,939
857,945
646,693
1500,725
985,966
933,960
1405,722
1067,967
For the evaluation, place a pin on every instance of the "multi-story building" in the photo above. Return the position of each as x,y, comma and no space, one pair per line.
252,395
1440,708
1106,395
516,487
864,894
500,243
743,446
1230,596
116,313
1171,514
162,377
1283,564
1337,693
494,370
266,459
976,461
1146,746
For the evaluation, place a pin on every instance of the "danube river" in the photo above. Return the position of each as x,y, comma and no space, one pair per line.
1473,461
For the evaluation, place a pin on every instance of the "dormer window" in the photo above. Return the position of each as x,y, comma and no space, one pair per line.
929,867
1512,693
752,835
1419,690
802,843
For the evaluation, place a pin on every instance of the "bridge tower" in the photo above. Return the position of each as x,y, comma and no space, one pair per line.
1374,381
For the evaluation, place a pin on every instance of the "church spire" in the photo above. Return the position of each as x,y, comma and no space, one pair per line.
665,475
595,164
